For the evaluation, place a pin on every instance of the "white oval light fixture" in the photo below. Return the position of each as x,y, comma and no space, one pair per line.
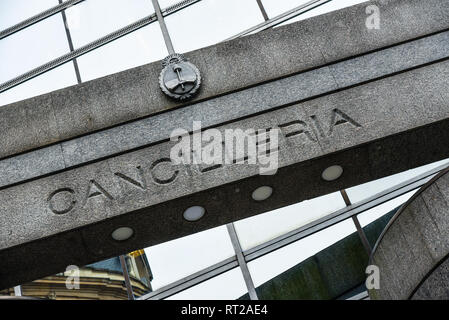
194,213
262,193
332,173
122,233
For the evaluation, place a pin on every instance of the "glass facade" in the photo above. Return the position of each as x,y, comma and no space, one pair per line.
264,227
182,257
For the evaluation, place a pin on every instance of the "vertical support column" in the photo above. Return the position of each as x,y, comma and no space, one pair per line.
360,231
165,34
262,9
129,288
242,262
69,40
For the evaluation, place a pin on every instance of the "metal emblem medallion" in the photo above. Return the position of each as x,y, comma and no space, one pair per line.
179,79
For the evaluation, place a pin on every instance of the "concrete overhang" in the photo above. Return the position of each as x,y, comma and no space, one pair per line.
82,161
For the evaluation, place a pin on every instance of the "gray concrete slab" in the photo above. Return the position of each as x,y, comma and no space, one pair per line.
234,106
412,251
435,286
226,67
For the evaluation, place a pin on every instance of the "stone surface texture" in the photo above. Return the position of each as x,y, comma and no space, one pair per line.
225,67
435,286
412,251
234,106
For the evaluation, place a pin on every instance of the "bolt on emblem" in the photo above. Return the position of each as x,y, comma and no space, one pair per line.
179,79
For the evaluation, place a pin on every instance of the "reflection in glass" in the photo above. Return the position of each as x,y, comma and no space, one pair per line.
276,262
91,20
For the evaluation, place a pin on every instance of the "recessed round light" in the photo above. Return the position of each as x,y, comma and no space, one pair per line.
122,233
194,213
332,173
262,193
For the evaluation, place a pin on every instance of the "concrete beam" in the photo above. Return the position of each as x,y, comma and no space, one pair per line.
224,109
226,67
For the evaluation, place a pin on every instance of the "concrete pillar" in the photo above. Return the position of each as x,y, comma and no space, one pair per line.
412,252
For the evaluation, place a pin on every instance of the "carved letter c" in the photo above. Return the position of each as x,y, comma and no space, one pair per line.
53,194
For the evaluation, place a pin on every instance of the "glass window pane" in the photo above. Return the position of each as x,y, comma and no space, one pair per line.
138,48
375,213
331,6
276,7
91,20
325,8
210,21
264,227
226,286
15,11
366,190
176,259
32,47
276,262
55,79
167,3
